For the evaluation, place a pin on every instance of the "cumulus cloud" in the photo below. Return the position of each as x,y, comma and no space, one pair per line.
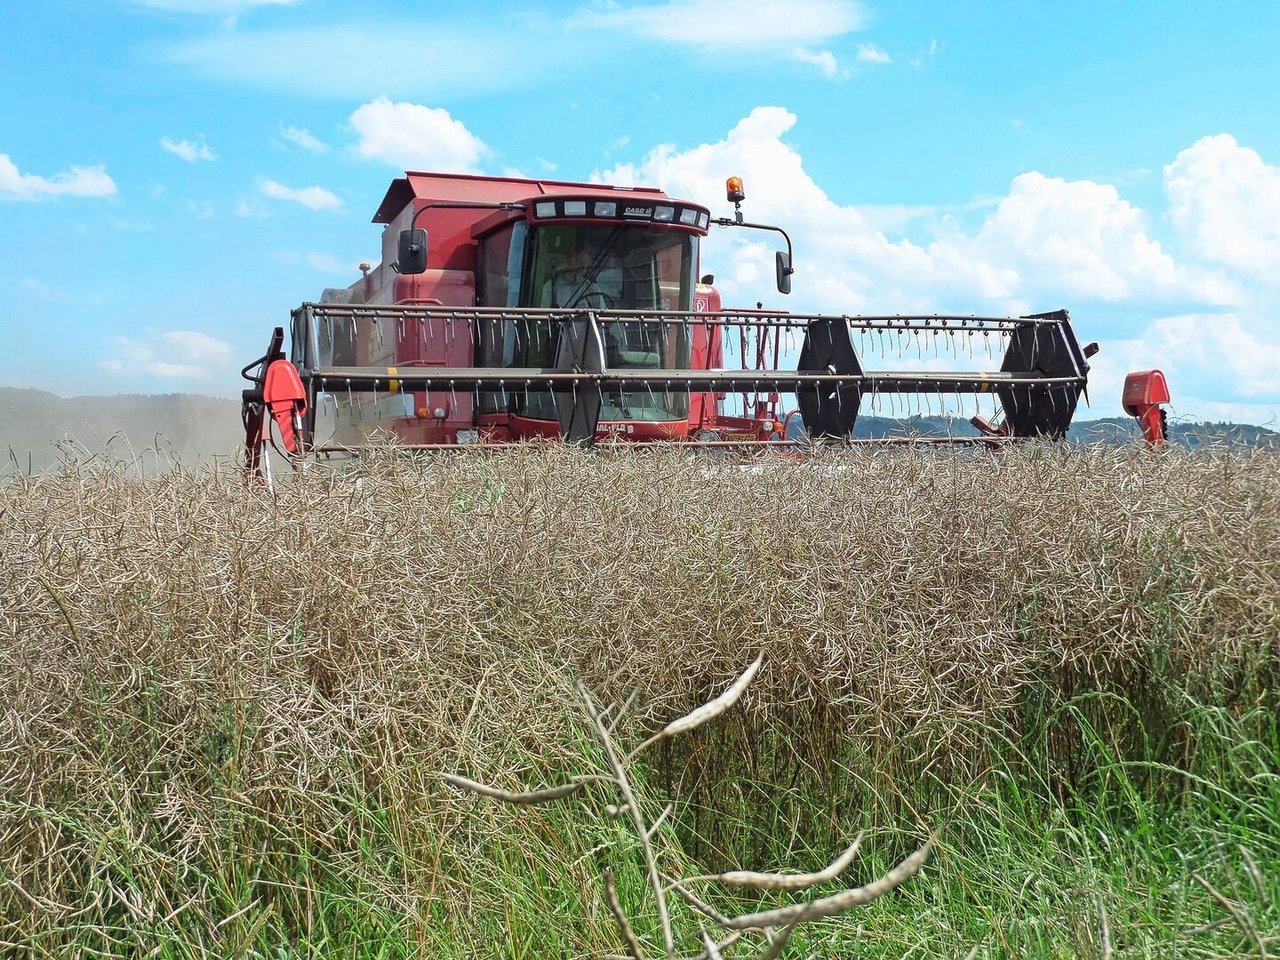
74,182
1046,242
824,60
870,53
1219,365
410,136
1240,348
192,151
1077,237
313,198
170,355
755,24
1047,237
251,209
844,262
302,137
365,57
1225,201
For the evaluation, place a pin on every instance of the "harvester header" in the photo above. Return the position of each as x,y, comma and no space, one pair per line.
505,309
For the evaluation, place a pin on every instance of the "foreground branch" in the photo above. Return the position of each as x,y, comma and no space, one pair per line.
776,925
509,796
788,881
836,904
708,711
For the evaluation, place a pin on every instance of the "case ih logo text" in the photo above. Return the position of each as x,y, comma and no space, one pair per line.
637,211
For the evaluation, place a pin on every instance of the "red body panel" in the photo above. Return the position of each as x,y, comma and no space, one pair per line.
1144,391
286,398
1142,388
454,235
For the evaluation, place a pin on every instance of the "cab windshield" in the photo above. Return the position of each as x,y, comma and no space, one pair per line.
613,267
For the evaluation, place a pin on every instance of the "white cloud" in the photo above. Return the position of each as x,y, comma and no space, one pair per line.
201,209
1225,201
924,56
252,209
313,198
843,262
1237,349
1046,238
870,53
44,291
74,182
1077,237
1219,365
1047,242
824,60
364,58
410,136
730,24
171,355
192,151
219,7
303,138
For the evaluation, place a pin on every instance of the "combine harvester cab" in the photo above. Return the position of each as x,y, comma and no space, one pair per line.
506,309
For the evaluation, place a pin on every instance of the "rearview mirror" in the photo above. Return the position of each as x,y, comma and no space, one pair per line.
782,267
412,257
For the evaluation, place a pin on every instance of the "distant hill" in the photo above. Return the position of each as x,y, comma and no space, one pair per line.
35,424
1104,430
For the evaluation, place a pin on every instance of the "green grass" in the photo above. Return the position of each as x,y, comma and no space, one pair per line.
1026,865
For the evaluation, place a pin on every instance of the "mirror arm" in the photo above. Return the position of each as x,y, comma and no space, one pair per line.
728,222
452,204
461,205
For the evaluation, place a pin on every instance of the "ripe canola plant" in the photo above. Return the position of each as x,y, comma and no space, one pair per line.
227,714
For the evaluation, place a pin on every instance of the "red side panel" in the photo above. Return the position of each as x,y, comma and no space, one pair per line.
707,353
438,342
1142,388
286,398
1144,391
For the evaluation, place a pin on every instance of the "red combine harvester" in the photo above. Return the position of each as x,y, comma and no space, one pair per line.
506,309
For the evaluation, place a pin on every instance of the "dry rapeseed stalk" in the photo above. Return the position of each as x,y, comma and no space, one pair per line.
250,666
707,711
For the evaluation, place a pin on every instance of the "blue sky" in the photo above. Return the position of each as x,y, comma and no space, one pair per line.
176,174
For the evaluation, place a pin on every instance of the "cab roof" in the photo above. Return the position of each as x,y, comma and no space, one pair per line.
481,189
